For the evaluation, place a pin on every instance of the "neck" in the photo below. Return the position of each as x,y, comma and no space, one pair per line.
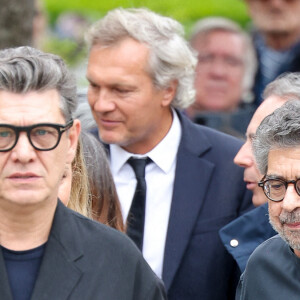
281,41
25,227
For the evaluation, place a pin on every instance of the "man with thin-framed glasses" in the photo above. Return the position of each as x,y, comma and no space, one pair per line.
48,251
273,270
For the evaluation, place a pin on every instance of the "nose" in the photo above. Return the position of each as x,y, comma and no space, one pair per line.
218,68
244,158
23,150
291,200
101,101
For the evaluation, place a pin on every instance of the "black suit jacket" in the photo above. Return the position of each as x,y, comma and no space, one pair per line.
85,260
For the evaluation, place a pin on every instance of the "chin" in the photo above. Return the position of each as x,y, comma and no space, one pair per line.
25,197
108,138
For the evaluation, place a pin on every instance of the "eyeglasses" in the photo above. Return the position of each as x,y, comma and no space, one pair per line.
275,188
42,137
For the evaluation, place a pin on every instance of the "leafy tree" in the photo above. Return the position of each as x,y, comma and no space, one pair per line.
16,22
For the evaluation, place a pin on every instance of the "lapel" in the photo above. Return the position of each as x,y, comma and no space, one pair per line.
5,292
58,273
192,178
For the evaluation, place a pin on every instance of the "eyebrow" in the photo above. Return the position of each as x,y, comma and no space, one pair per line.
274,176
114,85
90,80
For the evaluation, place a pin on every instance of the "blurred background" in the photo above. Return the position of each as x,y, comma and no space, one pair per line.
238,55
59,25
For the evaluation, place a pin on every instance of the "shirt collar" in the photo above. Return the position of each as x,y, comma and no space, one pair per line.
163,155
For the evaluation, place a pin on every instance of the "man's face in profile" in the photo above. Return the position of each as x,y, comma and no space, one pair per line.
245,157
128,108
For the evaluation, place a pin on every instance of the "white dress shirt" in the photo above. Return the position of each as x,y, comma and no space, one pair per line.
160,180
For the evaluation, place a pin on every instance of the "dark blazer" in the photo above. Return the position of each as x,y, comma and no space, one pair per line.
249,230
85,260
209,192
272,273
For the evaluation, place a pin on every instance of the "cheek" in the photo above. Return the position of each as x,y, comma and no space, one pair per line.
91,96
236,78
274,209
200,82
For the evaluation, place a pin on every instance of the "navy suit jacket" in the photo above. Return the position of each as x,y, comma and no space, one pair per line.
86,260
208,193
249,230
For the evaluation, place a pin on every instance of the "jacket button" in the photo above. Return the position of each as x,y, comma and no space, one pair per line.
234,243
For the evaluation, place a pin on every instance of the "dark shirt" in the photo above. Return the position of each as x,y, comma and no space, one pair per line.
245,233
272,273
22,270
272,63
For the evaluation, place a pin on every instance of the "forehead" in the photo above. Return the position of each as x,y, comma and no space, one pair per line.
266,108
220,38
284,162
126,57
29,108
291,6
272,2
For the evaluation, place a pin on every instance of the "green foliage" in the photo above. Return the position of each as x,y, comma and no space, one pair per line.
71,51
185,11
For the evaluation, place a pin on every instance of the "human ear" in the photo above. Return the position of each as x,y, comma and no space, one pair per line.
73,136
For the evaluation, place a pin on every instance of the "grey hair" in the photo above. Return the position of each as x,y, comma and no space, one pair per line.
211,24
171,57
84,113
284,86
25,69
279,130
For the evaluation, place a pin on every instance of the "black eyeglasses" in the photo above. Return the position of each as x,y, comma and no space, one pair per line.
275,188
42,137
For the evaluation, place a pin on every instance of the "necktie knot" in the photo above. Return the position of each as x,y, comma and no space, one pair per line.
138,165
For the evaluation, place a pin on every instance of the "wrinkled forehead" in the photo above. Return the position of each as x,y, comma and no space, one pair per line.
201,38
29,108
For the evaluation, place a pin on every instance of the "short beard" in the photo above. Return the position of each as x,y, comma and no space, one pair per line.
289,236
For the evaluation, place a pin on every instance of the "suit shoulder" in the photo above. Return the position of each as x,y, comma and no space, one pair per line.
216,136
193,133
267,251
91,228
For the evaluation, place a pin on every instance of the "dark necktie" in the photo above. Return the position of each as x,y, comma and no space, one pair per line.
136,216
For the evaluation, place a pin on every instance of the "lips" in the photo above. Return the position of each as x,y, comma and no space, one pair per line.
251,185
108,123
294,225
27,175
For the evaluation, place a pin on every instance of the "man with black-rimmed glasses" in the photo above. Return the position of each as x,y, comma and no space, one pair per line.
46,250
273,270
